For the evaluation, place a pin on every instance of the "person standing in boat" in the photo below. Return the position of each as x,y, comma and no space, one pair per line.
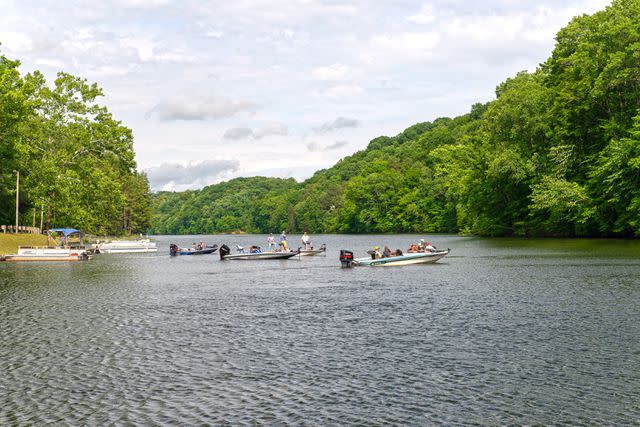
283,241
271,241
306,241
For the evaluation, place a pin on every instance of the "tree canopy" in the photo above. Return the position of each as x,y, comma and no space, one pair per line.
73,157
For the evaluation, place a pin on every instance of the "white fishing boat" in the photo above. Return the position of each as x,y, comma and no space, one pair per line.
127,246
405,259
28,253
225,253
312,252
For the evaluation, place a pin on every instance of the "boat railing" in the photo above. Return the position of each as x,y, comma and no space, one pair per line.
81,248
42,247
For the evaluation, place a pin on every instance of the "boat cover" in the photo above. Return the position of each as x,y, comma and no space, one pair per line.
65,231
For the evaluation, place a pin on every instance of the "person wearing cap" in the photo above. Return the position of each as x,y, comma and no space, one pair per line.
421,245
375,254
283,241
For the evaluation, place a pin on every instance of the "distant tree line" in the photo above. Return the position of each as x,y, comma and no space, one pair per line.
557,153
74,158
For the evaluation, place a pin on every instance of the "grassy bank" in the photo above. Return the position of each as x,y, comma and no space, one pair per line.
9,242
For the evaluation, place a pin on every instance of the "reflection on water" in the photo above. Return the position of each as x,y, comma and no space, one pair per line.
502,331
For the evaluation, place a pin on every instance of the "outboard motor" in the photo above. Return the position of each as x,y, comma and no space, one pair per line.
346,258
224,251
173,249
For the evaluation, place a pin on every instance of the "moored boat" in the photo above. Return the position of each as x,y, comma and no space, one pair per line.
175,250
127,246
405,259
225,253
28,253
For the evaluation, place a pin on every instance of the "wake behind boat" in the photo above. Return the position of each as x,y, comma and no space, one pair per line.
254,254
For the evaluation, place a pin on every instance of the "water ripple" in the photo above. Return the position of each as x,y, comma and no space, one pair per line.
495,335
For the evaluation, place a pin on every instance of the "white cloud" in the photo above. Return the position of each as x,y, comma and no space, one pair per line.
214,34
198,108
240,133
338,123
315,146
141,4
143,46
413,46
15,41
51,63
340,92
172,176
274,129
424,16
331,72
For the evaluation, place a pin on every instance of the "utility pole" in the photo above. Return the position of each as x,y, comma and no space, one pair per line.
17,197
41,216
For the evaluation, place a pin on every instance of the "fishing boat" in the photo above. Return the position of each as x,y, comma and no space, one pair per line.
312,252
127,246
405,259
225,253
28,253
175,250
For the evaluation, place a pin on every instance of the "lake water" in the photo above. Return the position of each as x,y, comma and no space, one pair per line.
502,331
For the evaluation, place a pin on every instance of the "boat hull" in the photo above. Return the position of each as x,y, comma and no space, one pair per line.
48,254
198,252
408,259
128,250
19,258
312,252
127,246
260,256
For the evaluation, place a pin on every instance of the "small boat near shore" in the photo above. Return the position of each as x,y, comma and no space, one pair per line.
174,250
225,253
28,253
426,257
312,252
127,246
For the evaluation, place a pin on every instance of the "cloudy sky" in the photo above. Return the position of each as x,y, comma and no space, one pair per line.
219,89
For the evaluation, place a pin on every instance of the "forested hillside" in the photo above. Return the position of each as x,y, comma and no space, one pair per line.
243,204
556,153
74,158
